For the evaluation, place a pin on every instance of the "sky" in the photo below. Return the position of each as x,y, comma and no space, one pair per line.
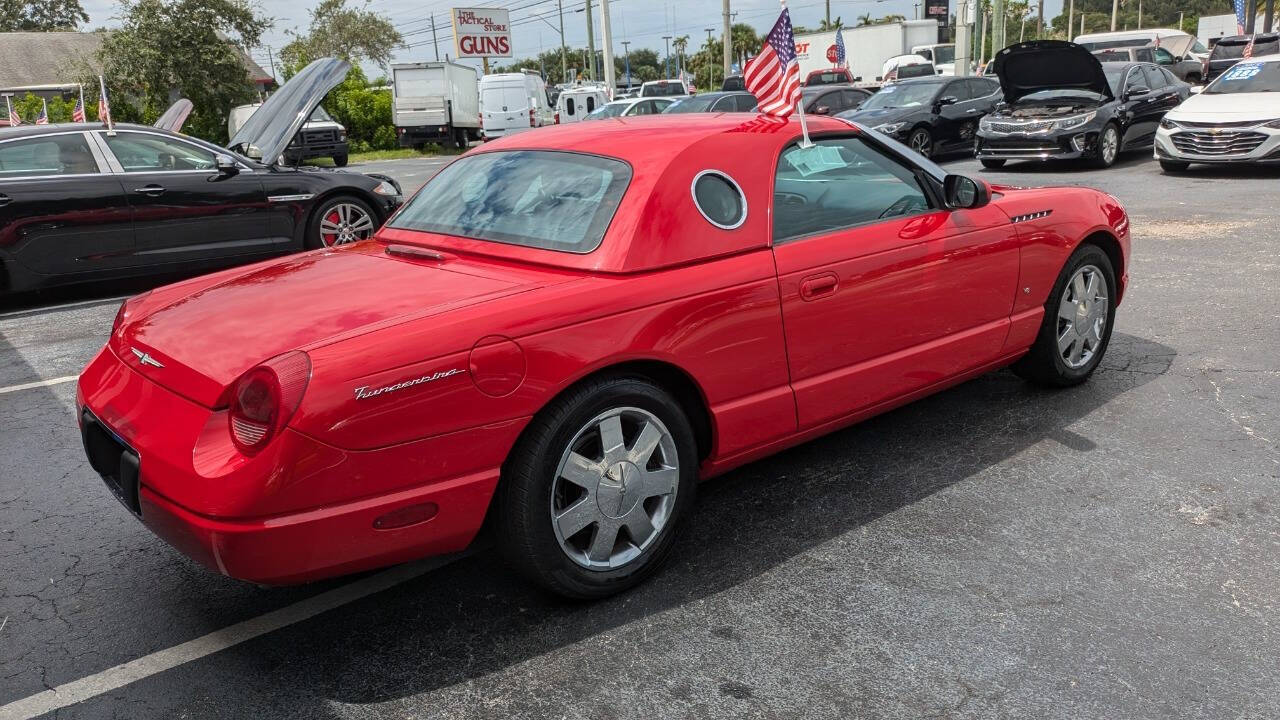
642,22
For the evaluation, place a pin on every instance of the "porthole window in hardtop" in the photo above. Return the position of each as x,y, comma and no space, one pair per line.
719,199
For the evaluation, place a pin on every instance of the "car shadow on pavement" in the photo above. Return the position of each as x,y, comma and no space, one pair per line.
1132,158
474,617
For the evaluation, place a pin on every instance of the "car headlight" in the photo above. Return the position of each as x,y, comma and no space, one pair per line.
1168,124
985,123
342,137
889,128
386,188
1075,121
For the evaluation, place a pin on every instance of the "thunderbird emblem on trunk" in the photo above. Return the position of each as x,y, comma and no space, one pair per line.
146,359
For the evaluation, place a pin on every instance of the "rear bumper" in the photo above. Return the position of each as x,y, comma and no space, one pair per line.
418,134
299,511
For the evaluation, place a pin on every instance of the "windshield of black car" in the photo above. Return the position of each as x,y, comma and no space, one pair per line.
698,103
903,95
665,89
536,198
1247,77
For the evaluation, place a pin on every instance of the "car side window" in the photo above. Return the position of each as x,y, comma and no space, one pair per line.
144,152
840,183
66,154
1154,78
725,104
568,106
746,102
959,89
1142,55
854,98
591,104
1163,57
1169,78
1134,78
980,88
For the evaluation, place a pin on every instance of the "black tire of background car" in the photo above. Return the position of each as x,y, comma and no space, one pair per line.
1043,364
525,534
921,140
313,240
993,162
460,138
340,160
1174,166
1099,159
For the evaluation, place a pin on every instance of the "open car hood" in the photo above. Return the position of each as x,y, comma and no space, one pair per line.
177,114
268,131
1177,45
1029,67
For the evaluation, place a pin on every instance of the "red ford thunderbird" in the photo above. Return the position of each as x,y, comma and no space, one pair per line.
566,330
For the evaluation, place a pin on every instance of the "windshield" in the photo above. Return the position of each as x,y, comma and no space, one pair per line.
700,103
319,115
1234,49
828,78
944,54
542,199
661,89
613,109
902,95
1247,77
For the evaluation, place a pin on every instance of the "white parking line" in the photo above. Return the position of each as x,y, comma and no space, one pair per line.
157,662
40,383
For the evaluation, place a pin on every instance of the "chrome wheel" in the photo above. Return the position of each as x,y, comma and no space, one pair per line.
345,223
967,131
615,488
921,142
1082,317
1110,142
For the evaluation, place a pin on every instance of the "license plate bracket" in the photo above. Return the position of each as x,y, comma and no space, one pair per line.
113,460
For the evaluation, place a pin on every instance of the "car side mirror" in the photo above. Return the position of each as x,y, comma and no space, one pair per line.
960,192
822,110
1136,91
226,165
948,100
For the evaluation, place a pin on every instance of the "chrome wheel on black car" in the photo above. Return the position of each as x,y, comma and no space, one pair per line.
1108,146
921,141
341,220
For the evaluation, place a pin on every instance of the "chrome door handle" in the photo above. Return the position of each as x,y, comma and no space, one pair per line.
972,110
5,199
151,190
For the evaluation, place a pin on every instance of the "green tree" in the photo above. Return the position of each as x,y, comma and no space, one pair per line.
193,48
364,112
340,30
41,15
864,20
830,24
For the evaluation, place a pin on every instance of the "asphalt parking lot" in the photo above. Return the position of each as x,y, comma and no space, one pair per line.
994,551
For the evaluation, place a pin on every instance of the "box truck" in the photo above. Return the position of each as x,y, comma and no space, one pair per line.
435,102
866,47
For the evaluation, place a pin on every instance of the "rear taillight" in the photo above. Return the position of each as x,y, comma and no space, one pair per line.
532,122
557,118
264,399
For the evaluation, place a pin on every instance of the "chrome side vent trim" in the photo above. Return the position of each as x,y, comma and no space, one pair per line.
1030,216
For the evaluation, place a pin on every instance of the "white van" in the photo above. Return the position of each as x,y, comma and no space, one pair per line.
513,102
1137,38
575,103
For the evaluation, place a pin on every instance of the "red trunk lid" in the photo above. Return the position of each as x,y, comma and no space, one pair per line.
199,344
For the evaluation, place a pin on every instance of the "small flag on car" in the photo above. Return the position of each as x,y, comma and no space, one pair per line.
773,76
43,117
104,108
77,112
840,48
14,120
1248,49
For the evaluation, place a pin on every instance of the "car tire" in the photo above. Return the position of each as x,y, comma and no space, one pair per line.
1048,362
460,138
1192,79
1174,166
992,162
569,553
333,215
1104,155
921,140
340,160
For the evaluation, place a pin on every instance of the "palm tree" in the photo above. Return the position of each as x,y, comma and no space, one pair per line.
680,44
864,20
830,25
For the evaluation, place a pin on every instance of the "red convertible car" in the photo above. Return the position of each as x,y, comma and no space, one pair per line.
564,331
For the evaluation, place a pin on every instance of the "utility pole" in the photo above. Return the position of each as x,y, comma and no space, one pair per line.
591,45
982,37
435,43
1040,21
1179,20
564,53
1082,23
962,37
609,79
1266,22
666,65
1139,13
728,39
271,58
711,66
626,48
1071,16
1115,10
1251,17
828,14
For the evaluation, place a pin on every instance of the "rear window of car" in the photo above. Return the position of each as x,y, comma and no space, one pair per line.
662,89
535,198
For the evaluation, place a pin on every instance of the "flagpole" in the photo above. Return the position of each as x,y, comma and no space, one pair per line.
85,112
804,127
8,107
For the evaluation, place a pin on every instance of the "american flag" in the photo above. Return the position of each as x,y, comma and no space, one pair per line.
104,109
14,119
77,112
773,76
839,48
43,117
1248,49
1240,10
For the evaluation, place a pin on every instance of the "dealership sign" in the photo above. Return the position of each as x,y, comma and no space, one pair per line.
481,32
937,9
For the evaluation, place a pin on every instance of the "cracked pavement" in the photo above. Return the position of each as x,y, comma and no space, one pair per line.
994,551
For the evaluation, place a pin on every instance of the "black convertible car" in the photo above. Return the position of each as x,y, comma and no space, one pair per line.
1060,102
81,202
931,115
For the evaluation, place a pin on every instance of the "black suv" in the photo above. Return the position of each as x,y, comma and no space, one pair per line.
1229,51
